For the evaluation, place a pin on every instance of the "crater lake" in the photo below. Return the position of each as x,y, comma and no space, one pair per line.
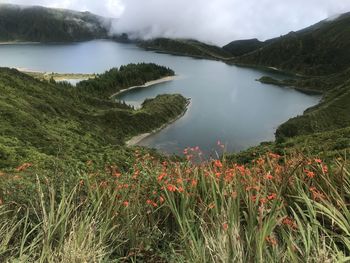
227,103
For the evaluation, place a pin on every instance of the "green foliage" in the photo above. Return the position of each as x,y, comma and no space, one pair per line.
276,209
241,47
41,24
332,113
115,79
328,145
317,50
185,47
50,122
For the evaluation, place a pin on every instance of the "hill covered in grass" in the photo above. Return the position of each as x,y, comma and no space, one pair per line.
185,47
42,121
317,50
241,47
319,58
40,24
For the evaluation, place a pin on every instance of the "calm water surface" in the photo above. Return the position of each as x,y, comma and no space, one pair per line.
227,103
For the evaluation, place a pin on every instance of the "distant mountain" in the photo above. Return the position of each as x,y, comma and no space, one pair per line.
186,47
317,50
40,24
241,47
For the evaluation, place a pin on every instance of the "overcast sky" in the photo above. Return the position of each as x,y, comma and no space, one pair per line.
216,21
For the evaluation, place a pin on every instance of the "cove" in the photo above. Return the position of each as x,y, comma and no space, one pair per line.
227,103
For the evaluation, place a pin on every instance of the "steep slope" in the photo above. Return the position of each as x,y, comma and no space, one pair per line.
332,113
42,121
241,47
39,24
317,50
320,56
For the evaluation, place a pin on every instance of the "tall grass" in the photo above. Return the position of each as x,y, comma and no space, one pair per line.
276,209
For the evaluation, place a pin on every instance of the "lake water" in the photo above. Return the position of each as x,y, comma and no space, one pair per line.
227,103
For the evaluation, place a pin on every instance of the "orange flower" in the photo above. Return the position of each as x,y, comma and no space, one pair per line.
325,169
271,240
269,176
126,203
289,222
263,200
260,161
179,180
194,183
117,174
23,167
136,174
274,156
225,226
318,161
171,188
272,196
217,163
150,202
241,169
161,176
309,173
316,195
161,199
218,175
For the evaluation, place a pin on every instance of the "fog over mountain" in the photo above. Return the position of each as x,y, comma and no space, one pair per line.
219,21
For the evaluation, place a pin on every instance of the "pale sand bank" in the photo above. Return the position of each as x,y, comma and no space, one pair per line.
55,76
17,43
147,84
138,138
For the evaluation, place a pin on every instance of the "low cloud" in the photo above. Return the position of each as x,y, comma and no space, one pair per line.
222,21
218,22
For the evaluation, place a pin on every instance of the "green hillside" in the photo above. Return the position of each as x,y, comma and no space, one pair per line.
241,47
46,121
317,50
40,24
319,56
186,47
72,192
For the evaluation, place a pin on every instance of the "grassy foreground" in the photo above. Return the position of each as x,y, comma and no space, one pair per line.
275,209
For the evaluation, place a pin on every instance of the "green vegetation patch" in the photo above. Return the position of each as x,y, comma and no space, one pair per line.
45,121
186,47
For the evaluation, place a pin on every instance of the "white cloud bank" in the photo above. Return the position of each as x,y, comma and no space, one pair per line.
216,21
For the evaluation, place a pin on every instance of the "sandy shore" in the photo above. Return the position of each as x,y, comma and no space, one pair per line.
17,43
54,75
138,138
147,84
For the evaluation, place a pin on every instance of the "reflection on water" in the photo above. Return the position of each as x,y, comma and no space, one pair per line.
227,103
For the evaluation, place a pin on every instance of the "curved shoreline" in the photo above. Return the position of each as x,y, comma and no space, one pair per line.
138,138
45,75
147,84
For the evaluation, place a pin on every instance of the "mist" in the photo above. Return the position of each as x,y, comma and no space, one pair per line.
217,22
222,21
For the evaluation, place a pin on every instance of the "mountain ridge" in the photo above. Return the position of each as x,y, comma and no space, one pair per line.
41,24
